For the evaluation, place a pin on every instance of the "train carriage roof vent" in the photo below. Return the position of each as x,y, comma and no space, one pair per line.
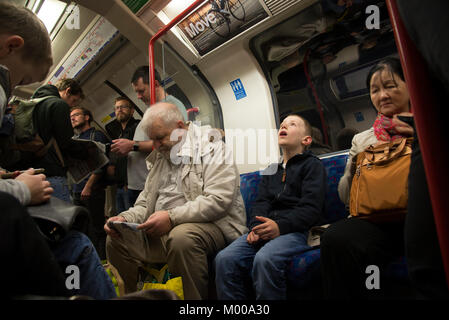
277,6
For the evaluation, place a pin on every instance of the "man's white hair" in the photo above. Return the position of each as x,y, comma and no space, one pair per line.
167,112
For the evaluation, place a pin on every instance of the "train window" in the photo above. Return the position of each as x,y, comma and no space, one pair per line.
188,85
316,63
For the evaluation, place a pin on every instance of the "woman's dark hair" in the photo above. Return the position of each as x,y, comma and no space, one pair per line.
391,64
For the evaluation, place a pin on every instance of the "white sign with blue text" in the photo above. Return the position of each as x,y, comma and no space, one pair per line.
238,89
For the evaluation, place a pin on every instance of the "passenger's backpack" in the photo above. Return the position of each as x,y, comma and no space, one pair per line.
24,144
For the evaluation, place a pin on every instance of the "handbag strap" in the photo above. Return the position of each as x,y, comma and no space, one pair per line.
389,150
394,149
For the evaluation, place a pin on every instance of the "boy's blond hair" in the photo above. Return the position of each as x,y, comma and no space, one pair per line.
15,20
307,126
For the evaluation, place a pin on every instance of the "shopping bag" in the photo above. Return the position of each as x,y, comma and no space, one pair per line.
151,278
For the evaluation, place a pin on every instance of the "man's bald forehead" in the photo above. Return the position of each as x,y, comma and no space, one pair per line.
166,112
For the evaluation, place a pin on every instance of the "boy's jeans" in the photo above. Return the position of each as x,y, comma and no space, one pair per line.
266,266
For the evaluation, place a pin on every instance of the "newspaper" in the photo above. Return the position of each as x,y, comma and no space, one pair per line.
95,158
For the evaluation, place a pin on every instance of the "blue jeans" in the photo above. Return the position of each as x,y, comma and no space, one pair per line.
126,199
76,249
133,195
265,266
60,187
122,200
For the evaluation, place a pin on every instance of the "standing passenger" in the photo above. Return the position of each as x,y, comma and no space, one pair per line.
139,148
422,249
90,192
52,119
122,127
288,204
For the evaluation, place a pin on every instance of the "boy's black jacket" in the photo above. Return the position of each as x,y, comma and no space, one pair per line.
296,204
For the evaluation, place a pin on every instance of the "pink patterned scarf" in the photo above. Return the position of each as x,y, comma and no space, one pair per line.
384,129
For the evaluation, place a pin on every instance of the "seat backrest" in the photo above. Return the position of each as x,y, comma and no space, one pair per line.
334,165
249,186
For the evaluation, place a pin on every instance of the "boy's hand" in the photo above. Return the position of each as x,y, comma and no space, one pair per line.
252,238
268,230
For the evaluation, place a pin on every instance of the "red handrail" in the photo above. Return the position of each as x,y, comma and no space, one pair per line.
430,134
315,95
160,33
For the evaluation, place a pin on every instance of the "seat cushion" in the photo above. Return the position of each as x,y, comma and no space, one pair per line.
304,268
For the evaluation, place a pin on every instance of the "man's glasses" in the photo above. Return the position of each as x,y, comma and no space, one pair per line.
121,107
76,115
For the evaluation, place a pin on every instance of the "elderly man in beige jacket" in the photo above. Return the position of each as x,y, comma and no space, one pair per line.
190,209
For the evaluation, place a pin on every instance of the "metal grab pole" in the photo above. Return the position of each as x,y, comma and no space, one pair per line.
431,135
315,95
160,33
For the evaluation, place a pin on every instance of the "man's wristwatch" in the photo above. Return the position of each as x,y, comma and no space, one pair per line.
136,146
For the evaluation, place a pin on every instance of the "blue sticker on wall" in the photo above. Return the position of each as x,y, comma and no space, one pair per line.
238,89
359,116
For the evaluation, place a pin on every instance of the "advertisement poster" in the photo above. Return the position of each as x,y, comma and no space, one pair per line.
217,21
97,38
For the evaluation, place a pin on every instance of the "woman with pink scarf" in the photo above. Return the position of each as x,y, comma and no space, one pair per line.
389,95
351,245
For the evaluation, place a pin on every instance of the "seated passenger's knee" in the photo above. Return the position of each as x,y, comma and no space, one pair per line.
336,236
225,258
263,260
179,240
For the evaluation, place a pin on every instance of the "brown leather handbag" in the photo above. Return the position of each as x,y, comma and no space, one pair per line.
379,189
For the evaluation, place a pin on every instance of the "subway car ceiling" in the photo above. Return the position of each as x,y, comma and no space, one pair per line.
267,58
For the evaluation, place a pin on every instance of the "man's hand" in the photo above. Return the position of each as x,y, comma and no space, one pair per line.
40,189
87,191
157,224
122,146
404,129
110,170
252,238
268,230
110,231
